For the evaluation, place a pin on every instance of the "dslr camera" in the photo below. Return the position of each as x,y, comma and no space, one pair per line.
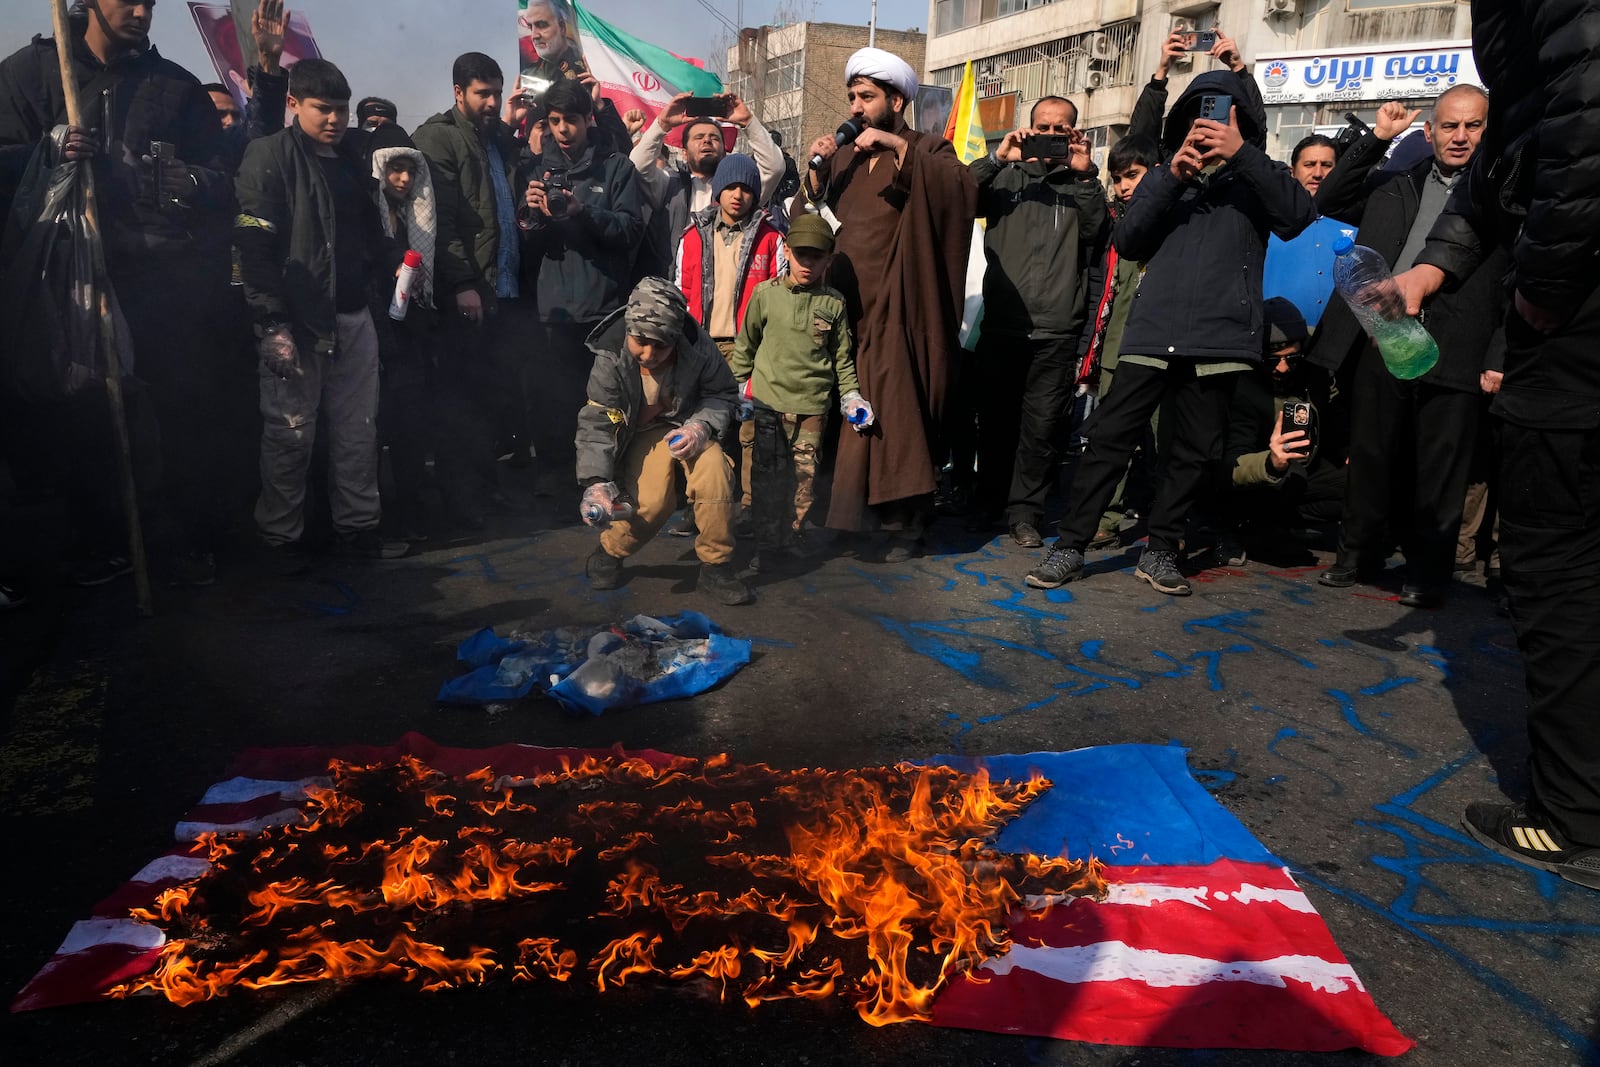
558,193
1046,146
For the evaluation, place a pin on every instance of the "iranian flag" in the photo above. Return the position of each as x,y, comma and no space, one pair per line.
635,73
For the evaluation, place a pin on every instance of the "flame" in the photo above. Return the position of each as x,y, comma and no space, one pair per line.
889,885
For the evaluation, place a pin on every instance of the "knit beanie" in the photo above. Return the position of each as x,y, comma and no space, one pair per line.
736,169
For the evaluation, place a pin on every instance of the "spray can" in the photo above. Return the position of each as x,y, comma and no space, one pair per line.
400,303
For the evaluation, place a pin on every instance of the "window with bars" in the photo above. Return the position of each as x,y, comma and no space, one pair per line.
1057,68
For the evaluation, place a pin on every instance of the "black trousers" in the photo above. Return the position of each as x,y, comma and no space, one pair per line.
1406,435
561,373
1024,392
1550,561
1312,495
1199,417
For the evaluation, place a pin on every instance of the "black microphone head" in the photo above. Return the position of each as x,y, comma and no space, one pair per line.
847,132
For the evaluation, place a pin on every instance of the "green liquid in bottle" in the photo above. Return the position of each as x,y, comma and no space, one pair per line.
1408,354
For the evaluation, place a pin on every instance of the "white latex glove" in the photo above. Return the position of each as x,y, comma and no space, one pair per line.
747,402
857,411
278,351
597,502
689,440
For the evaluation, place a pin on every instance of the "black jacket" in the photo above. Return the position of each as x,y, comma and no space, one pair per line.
137,99
285,234
1204,242
1534,189
1464,317
586,260
1045,245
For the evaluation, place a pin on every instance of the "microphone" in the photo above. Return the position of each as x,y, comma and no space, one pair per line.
847,133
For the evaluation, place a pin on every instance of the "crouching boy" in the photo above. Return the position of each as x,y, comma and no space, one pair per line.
793,351
660,396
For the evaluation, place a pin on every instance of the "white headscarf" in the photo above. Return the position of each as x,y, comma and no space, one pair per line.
883,66
420,211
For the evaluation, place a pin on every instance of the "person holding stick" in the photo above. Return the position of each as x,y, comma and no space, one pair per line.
155,145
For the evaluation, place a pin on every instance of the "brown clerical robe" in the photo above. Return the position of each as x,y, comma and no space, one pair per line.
900,260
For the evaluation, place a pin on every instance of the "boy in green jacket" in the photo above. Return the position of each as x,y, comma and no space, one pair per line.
792,352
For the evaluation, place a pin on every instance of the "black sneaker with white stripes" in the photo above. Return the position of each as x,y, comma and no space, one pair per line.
1530,838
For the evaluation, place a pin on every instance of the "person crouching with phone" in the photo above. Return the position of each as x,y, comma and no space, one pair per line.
1284,463
1200,224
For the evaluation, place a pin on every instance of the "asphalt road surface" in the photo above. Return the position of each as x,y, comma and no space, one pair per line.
1345,731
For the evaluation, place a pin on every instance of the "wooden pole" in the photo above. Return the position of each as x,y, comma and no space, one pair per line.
108,333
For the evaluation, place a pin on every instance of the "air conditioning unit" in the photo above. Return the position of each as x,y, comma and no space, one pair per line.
1095,79
1283,7
1100,46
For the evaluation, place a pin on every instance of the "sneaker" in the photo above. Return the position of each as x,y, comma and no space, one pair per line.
1160,569
10,599
1104,539
603,569
1531,839
1026,535
1059,566
682,525
98,570
719,582
1420,596
366,544
193,569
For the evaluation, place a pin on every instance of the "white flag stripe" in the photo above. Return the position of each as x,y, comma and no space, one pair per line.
172,868
191,831
1144,895
1111,961
239,790
91,932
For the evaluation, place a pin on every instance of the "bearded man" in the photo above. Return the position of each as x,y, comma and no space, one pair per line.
905,205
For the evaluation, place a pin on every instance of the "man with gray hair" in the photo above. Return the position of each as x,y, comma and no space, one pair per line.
660,397
1434,419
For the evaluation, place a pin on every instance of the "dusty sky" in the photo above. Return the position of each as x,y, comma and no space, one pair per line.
402,49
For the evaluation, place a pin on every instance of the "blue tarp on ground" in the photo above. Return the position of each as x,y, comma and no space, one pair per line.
641,661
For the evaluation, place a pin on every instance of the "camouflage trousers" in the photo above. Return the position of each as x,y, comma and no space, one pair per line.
783,474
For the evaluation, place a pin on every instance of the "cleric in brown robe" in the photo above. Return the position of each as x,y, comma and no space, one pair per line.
905,205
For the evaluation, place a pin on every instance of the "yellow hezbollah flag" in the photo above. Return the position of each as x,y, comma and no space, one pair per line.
964,130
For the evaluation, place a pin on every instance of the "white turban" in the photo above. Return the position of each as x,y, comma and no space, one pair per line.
882,66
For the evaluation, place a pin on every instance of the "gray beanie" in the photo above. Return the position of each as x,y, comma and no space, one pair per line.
656,310
736,169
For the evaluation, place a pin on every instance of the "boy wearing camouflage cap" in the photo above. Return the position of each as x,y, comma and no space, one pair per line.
660,395
792,352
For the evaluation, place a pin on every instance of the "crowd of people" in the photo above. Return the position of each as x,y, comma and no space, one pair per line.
630,299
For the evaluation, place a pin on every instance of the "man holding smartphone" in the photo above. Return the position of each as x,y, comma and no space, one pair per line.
1045,246
684,191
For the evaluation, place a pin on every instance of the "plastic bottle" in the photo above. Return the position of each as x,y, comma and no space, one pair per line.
400,303
858,418
600,518
1363,279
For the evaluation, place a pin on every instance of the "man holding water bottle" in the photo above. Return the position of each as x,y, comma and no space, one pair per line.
1431,421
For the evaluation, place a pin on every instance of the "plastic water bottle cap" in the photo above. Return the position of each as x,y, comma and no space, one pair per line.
1343,244
674,439
858,416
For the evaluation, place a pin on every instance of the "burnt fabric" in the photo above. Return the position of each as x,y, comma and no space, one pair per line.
901,263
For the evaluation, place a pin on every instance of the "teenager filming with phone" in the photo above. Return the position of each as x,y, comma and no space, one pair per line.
1205,214
1045,247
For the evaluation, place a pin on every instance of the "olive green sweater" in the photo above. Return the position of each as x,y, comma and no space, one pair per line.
796,343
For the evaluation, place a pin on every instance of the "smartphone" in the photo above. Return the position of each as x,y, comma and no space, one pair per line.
1215,106
162,153
1302,417
706,107
532,87
1199,40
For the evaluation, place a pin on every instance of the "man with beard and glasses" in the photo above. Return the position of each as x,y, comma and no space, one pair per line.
905,205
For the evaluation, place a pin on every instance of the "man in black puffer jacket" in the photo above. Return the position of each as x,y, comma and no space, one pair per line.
1434,419
1200,224
1534,189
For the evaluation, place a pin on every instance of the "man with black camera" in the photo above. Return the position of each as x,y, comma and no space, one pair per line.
584,218
473,158
1431,421
683,191
161,175
1045,246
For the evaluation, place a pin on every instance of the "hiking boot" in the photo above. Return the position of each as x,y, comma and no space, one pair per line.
1530,838
604,569
366,544
683,525
719,582
1059,566
1026,535
1160,569
97,569
196,569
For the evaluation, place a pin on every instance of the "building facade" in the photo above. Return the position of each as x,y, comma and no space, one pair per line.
793,76
1315,60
